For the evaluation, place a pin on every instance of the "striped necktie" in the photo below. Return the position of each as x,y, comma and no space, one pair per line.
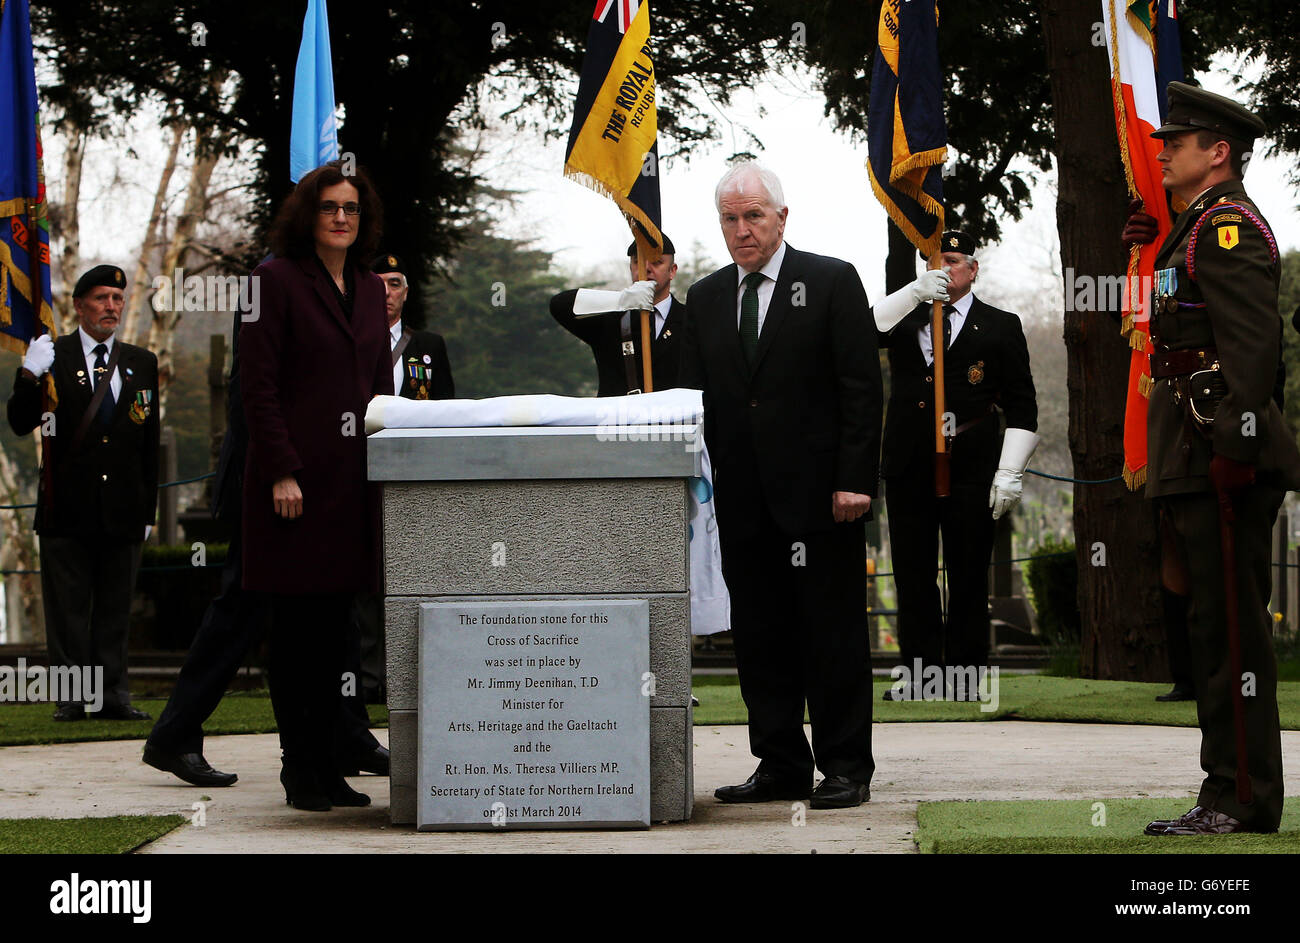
104,415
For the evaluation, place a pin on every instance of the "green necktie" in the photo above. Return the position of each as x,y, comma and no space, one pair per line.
749,315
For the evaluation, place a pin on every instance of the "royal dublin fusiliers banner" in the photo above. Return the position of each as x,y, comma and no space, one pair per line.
535,714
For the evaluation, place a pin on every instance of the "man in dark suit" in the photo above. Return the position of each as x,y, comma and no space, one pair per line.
986,369
420,366
1220,456
782,346
604,321
99,495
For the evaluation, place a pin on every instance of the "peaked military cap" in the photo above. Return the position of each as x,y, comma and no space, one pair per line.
1195,109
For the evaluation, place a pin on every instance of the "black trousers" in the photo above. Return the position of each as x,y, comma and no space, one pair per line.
1195,520
916,518
86,588
231,627
309,641
798,618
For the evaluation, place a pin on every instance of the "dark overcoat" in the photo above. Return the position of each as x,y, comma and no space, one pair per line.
308,372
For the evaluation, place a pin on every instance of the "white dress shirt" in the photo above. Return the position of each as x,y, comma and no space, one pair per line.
656,325
958,317
88,345
395,335
765,289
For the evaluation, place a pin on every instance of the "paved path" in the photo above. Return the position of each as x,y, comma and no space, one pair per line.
915,762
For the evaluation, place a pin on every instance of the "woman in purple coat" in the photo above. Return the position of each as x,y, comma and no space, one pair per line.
314,351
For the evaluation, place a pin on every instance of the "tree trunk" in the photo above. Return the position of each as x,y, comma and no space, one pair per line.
140,295
1119,580
20,550
162,328
70,261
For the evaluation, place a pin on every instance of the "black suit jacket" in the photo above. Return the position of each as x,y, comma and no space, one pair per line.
804,422
107,486
987,366
427,350
603,335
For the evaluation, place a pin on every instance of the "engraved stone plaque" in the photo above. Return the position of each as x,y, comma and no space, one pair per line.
534,714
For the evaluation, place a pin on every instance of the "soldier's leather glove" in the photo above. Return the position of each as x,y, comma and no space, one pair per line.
1229,475
1141,228
1017,446
40,356
931,285
640,297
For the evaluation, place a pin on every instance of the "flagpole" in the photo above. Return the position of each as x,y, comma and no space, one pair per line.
941,456
642,258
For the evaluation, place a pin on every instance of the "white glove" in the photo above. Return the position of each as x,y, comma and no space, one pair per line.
640,297
148,529
40,356
1017,446
930,286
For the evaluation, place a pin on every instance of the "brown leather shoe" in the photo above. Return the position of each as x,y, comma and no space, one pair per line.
1206,822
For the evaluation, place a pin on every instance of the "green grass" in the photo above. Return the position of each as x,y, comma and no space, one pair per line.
243,712
1056,826
1021,697
114,835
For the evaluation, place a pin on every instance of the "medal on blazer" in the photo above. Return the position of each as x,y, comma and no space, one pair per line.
1166,287
419,375
976,373
140,406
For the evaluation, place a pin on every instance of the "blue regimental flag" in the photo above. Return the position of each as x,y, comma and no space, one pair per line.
1169,51
24,234
907,140
313,139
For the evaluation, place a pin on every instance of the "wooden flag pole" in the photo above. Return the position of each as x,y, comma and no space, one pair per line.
643,250
941,456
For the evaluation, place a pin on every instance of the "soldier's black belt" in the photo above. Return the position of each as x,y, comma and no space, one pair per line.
1181,363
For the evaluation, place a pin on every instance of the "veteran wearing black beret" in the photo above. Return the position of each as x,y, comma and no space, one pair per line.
987,380
1220,455
99,491
421,369
601,319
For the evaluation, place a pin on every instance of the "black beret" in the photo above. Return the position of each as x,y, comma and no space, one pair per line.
387,263
668,249
954,241
109,275
1195,109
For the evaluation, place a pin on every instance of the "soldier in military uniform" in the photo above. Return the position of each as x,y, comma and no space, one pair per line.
1216,440
99,495
986,368
601,319
420,366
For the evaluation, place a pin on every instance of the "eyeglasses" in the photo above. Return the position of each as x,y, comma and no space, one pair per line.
349,209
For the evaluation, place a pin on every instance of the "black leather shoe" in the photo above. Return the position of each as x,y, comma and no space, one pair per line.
375,762
839,792
341,794
191,767
1179,692
763,787
118,712
70,712
303,791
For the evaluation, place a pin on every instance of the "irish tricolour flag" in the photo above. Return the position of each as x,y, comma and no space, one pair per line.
1143,49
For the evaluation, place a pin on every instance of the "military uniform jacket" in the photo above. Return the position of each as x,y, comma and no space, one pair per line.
426,372
986,366
107,486
603,334
1225,274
